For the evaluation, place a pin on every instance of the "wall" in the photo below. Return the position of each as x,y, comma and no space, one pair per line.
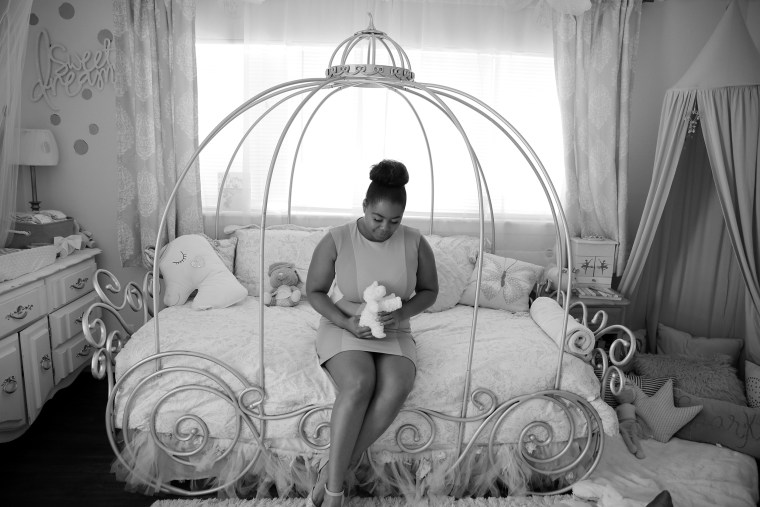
672,34
84,184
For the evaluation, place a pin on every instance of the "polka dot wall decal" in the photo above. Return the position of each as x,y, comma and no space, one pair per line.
80,146
86,94
94,129
55,119
33,19
66,10
104,35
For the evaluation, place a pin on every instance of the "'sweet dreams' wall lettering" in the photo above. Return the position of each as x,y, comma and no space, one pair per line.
57,68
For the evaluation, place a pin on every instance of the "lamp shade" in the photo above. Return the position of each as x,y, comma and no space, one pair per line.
37,148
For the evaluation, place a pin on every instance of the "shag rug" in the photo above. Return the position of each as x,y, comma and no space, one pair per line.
516,501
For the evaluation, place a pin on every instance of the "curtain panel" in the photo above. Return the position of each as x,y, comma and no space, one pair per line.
157,122
731,124
594,56
14,29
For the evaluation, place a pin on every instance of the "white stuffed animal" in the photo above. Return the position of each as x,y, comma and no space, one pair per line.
377,301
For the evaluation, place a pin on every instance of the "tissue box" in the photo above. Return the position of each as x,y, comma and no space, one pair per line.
41,233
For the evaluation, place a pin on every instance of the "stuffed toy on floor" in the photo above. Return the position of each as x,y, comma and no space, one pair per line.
632,428
284,281
377,301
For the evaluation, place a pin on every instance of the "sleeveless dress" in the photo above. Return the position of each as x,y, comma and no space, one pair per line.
392,263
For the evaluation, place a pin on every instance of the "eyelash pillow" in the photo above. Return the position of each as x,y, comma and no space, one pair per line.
188,263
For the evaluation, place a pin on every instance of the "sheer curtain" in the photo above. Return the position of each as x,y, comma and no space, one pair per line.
594,59
14,27
500,52
156,122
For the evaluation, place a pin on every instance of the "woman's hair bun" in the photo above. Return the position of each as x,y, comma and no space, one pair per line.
390,173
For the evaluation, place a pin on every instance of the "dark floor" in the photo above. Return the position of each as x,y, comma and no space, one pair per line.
64,458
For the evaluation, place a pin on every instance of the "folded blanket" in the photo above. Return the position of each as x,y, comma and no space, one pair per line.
578,340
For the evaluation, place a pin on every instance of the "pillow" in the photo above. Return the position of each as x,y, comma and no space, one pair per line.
463,249
752,383
225,249
282,244
660,413
647,384
707,378
720,422
505,285
673,341
451,281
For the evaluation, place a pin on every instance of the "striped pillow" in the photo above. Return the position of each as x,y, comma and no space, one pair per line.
661,414
650,385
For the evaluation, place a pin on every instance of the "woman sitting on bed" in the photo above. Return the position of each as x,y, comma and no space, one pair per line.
373,376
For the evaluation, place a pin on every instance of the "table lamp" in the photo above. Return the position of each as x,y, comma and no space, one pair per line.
37,148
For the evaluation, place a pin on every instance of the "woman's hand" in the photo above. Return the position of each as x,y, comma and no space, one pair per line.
361,332
390,320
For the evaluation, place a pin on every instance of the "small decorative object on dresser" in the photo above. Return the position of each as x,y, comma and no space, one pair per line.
593,260
42,346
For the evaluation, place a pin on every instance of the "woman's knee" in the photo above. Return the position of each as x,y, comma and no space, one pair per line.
359,387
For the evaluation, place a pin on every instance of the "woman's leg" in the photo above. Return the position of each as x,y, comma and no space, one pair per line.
353,372
394,380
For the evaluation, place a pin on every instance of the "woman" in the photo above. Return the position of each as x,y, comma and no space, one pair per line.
373,376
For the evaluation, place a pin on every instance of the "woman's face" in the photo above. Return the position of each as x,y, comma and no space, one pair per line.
382,218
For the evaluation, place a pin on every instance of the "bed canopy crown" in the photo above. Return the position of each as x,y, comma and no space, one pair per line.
368,41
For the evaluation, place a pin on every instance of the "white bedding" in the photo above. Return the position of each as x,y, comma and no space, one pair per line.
695,474
512,357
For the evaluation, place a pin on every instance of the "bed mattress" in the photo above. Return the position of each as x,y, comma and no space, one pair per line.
512,357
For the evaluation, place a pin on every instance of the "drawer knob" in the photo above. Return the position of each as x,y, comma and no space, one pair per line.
46,363
10,385
85,351
20,313
79,284
79,319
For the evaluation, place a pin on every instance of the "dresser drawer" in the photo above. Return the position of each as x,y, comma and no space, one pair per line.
70,284
70,356
12,408
67,321
21,307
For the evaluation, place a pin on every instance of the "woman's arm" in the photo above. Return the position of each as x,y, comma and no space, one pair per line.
426,289
318,283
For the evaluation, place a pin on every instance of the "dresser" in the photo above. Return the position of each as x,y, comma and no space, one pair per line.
42,346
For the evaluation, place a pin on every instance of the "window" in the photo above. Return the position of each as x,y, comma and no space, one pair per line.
358,127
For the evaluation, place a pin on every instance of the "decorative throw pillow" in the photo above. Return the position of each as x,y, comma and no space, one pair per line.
752,384
647,384
708,378
463,249
451,281
281,244
225,249
720,422
505,284
673,341
660,413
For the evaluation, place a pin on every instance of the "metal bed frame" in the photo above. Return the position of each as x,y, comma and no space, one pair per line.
247,398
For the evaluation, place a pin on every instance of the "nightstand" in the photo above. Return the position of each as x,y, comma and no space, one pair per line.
42,346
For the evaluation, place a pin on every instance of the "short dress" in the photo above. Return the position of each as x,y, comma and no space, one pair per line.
392,263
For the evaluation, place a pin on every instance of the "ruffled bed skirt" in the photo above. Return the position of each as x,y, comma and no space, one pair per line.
247,473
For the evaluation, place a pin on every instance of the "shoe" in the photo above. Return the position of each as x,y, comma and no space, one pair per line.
332,494
310,498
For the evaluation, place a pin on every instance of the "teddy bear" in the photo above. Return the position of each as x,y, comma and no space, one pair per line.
189,263
284,280
632,428
376,301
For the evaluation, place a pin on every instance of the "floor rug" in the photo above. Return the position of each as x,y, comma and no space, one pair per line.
533,501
